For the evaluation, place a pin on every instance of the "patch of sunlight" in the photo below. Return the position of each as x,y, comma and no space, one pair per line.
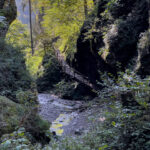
57,129
59,132
55,126
60,122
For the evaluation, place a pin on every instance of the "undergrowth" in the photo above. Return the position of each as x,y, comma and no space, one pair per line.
125,125
13,73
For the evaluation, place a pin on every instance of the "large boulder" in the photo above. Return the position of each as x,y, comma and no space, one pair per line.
10,115
14,116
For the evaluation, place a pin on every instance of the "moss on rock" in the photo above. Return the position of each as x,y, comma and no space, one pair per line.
10,115
14,116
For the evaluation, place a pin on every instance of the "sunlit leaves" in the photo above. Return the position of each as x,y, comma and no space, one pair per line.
18,35
64,19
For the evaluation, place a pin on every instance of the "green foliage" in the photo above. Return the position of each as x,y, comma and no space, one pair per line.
26,97
38,128
66,89
73,90
18,35
10,115
13,73
18,140
63,19
126,82
129,116
121,130
14,116
52,72
118,8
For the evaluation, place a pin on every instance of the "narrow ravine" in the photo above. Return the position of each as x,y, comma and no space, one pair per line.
68,118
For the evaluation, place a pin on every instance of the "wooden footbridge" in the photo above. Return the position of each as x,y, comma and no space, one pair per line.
71,71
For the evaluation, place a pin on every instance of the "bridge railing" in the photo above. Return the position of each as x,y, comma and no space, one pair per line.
71,71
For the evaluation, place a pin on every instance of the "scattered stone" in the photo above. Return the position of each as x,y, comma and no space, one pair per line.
65,115
78,132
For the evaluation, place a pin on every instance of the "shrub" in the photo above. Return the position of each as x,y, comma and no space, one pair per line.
52,73
73,90
26,97
10,115
126,121
13,73
38,128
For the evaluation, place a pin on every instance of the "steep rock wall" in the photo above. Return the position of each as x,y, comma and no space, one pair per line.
111,37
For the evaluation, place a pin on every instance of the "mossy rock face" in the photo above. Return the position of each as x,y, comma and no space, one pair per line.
143,62
10,115
8,9
14,115
117,28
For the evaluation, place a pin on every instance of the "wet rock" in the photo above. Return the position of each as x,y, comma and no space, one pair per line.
78,131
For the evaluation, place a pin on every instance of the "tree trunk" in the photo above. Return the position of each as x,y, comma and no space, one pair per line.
149,13
149,20
94,2
30,21
85,8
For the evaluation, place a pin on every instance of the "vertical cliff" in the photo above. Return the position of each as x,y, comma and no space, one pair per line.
114,35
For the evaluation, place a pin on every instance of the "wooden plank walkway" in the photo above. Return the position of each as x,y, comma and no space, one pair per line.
71,71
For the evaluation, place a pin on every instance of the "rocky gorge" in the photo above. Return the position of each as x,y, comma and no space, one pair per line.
120,37
54,109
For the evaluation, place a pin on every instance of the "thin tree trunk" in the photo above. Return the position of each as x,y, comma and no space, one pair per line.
94,2
85,8
149,13
30,18
149,19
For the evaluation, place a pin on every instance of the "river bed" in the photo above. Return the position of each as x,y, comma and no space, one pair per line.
68,118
